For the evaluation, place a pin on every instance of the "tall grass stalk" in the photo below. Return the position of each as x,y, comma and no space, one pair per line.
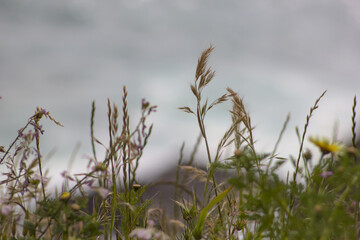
312,109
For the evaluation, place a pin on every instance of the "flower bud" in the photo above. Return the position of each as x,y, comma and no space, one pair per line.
65,196
237,153
75,207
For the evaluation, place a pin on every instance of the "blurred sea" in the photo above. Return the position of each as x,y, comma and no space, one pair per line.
279,55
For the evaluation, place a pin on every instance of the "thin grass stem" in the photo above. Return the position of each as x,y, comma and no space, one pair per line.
278,142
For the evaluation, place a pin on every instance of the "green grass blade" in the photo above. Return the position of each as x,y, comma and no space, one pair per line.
203,214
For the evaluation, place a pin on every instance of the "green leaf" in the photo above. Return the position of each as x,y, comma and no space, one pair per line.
203,214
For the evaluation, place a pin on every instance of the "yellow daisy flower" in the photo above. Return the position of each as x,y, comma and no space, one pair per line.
325,146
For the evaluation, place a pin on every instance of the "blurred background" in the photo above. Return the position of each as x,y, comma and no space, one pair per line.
279,55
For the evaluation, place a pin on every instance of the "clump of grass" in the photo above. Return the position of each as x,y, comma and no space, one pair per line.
320,201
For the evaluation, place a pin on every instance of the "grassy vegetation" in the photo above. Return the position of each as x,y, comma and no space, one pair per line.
319,199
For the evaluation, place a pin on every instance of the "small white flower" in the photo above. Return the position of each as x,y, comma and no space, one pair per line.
142,233
6,209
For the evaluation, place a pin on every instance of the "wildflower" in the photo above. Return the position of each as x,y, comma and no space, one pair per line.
150,223
144,104
7,209
237,152
37,128
161,236
136,186
65,174
103,192
326,174
39,113
141,233
75,207
89,183
65,196
24,186
325,146
148,234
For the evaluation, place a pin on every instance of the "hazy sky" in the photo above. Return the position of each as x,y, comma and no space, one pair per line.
280,55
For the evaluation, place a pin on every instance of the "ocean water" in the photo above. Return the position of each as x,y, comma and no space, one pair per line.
280,56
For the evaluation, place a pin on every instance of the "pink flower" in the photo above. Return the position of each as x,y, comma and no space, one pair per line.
326,174
6,210
141,233
89,183
65,174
